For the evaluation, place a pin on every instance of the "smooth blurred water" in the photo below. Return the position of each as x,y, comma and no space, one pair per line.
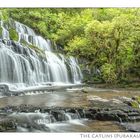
22,67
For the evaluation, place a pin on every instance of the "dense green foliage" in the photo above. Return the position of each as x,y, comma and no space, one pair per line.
106,39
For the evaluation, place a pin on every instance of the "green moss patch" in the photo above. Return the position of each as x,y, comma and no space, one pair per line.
23,42
13,34
37,50
0,32
138,99
134,104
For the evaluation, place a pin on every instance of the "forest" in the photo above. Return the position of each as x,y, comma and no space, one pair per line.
105,40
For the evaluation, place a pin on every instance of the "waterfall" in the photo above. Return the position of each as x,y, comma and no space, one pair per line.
46,121
30,60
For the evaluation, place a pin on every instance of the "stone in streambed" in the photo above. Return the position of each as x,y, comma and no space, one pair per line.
84,90
111,116
131,126
58,115
89,114
7,125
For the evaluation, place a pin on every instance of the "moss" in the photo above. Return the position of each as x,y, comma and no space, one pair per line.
13,34
37,50
4,15
134,104
137,99
23,42
0,32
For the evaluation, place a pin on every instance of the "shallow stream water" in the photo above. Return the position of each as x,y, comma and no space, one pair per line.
68,98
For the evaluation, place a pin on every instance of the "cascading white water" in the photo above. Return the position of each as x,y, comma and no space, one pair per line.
5,33
77,75
22,65
46,121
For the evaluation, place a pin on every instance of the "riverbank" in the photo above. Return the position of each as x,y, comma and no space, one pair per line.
131,86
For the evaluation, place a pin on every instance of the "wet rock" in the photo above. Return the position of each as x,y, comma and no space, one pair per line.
58,115
136,98
121,109
131,126
81,113
134,104
7,125
89,114
133,114
71,110
134,119
94,110
125,99
84,90
43,110
105,116
99,102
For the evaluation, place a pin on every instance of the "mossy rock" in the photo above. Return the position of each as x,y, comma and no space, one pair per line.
137,99
13,34
84,90
1,32
23,42
134,104
37,50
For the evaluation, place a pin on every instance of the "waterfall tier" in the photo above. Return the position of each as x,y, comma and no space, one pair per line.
27,59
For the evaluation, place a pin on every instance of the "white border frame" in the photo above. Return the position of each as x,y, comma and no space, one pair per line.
68,3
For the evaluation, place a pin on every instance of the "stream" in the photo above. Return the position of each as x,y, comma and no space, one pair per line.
63,111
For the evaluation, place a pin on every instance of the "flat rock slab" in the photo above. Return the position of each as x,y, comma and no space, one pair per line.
133,127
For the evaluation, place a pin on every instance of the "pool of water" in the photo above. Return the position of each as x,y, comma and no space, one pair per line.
67,98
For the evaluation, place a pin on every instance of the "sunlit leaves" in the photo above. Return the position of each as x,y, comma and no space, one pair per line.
106,38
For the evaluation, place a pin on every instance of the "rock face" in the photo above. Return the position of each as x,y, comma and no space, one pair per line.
121,109
133,127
